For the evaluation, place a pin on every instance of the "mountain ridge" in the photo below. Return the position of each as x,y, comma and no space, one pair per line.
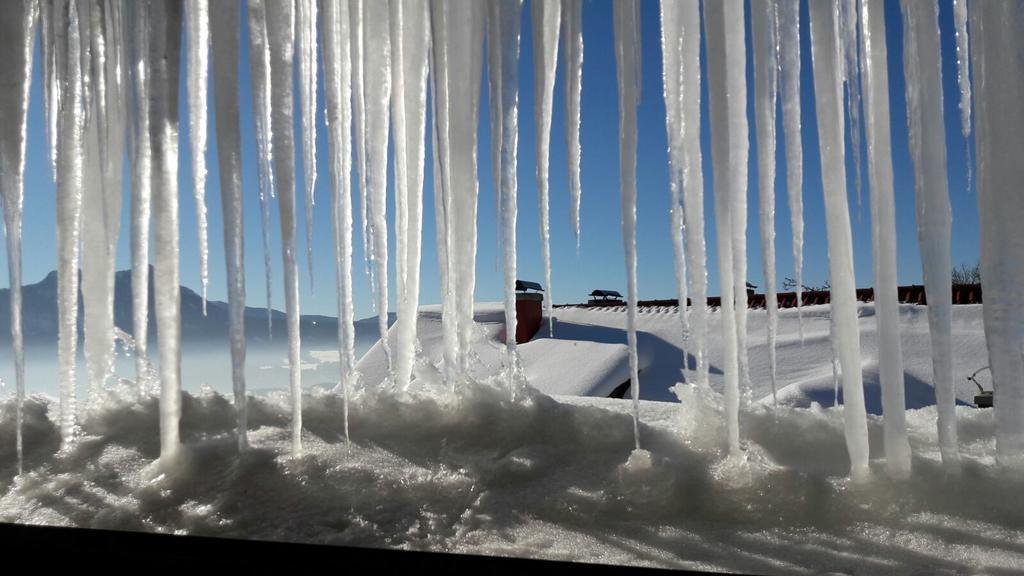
39,301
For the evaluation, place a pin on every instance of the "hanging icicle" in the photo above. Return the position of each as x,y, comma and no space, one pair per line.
927,134
338,92
851,79
789,60
999,128
70,172
727,93
101,205
141,191
259,65
457,29
503,28
17,38
226,20
681,56
306,43
165,20
280,40
826,57
627,60
376,96
197,27
766,64
572,54
546,18
963,80
410,41
875,80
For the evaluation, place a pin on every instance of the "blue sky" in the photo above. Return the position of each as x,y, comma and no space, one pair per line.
600,262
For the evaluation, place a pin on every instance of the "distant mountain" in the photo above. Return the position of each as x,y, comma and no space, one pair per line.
40,315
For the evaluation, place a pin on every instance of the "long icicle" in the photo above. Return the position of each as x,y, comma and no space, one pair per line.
141,192
922,67
546,18
963,80
826,54
197,25
721,104
357,42
875,82
306,14
766,62
627,60
338,92
226,20
572,52
101,208
457,29
999,128
693,181
164,63
376,88
671,50
280,39
17,38
259,64
503,35
410,41
851,78
789,60
50,43
739,151
69,213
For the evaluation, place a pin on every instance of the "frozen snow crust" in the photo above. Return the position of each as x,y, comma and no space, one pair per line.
549,477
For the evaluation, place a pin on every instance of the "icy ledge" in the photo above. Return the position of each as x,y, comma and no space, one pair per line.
545,477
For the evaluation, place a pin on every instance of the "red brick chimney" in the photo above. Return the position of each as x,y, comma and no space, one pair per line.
528,315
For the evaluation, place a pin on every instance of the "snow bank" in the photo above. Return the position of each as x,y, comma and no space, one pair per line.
543,477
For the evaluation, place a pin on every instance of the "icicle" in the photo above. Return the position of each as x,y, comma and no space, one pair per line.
141,192
17,38
922,67
101,208
766,63
52,38
356,14
259,63
848,22
671,48
306,23
875,79
376,96
687,22
572,52
457,29
726,106
789,51
197,24
410,40
438,132
504,21
826,56
627,60
963,80
70,175
999,127
280,39
546,17
338,93
226,19
164,61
